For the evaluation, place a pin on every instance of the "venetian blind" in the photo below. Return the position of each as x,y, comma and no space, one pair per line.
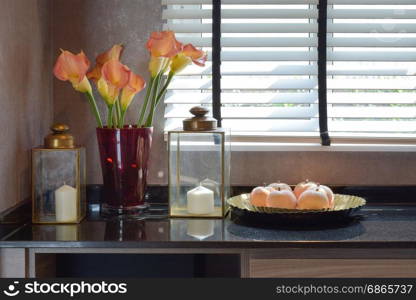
371,68
269,64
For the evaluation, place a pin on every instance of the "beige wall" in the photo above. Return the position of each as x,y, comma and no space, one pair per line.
333,168
94,25
25,92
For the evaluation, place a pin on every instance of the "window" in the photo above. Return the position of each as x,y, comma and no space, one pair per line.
269,67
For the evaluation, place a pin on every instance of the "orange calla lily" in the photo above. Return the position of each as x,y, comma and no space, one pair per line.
113,53
115,76
136,84
73,67
188,55
198,57
163,44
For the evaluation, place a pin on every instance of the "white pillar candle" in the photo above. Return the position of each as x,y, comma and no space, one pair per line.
66,204
200,201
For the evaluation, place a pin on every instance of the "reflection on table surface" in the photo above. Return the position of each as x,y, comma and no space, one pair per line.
377,223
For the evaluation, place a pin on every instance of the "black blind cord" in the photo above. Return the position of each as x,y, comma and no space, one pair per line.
322,73
216,60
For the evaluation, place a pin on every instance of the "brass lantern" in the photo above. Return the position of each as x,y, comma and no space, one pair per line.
199,167
58,179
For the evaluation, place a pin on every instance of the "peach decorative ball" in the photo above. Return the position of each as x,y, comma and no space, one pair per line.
281,199
303,186
259,196
280,185
313,199
329,194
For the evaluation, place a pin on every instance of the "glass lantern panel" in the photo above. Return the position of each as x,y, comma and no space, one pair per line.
196,173
82,208
227,165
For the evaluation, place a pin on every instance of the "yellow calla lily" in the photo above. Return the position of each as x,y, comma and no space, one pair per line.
157,65
179,62
188,55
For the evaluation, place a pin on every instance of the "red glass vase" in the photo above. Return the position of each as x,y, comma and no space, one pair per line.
124,157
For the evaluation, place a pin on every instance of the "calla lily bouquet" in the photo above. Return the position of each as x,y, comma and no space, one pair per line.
117,84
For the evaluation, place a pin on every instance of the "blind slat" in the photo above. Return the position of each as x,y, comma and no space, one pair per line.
277,83
245,28
289,14
255,125
252,112
255,41
254,55
294,28
239,2
245,83
243,98
371,56
303,41
372,28
371,42
383,112
265,2
372,84
372,98
240,14
302,71
371,14
260,69
247,125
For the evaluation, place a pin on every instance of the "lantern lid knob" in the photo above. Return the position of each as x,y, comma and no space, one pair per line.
200,122
59,138
59,128
198,111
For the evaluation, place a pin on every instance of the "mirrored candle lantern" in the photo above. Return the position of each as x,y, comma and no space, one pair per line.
58,179
199,167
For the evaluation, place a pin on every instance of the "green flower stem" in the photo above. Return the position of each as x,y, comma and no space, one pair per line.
163,90
114,120
118,113
160,95
146,101
154,95
94,108
110,116
123,115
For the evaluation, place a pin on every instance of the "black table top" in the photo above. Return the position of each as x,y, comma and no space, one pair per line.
375,226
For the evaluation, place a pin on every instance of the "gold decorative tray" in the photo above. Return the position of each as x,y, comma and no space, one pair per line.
345,206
